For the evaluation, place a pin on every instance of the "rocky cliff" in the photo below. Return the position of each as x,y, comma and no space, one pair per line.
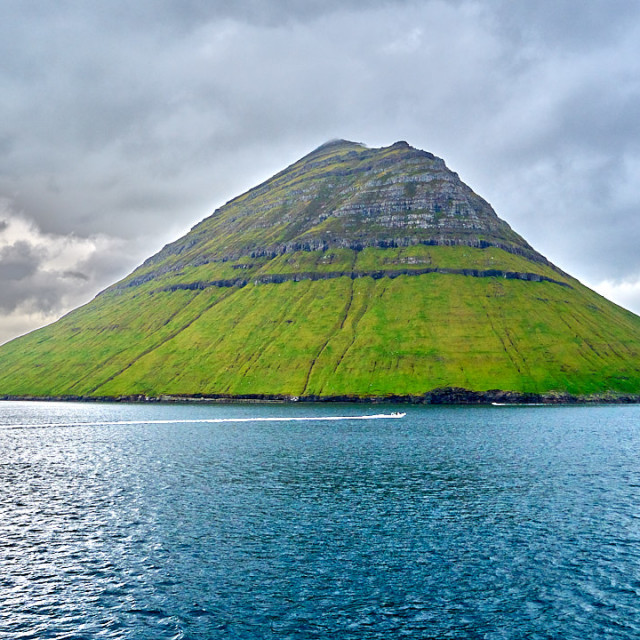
344,195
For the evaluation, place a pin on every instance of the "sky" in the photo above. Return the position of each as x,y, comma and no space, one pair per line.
123,124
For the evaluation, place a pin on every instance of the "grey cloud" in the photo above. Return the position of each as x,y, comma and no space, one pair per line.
189,14
44,293
136,119
23,280
28,283
18,262
566,24
75,275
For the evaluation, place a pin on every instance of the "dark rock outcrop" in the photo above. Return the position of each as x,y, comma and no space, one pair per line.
278,278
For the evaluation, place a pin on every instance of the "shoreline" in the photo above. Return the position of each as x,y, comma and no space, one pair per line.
444,396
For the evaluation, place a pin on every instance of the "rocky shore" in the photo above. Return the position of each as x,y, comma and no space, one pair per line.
444,396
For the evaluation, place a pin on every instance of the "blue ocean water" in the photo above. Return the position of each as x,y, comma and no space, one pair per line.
145,522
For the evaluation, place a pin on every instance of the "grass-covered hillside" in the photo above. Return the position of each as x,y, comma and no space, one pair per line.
388,299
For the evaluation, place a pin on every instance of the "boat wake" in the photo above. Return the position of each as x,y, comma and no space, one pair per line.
142,421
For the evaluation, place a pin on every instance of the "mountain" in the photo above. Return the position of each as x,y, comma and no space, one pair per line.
354,272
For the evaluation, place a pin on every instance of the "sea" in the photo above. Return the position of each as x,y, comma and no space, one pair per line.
251,521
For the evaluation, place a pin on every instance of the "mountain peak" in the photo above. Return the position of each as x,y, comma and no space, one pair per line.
355,272
337,144
345,194
340,144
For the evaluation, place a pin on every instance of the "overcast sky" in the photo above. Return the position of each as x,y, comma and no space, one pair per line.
122,124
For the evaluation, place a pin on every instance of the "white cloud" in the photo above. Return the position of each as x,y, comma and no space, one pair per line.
45,274
21,321
625,293
58,252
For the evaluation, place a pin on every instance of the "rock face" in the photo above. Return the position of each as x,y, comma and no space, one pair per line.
345,195
355,273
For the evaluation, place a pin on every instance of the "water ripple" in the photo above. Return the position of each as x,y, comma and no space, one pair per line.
451,523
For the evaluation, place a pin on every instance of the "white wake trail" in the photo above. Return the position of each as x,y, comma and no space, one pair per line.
107,423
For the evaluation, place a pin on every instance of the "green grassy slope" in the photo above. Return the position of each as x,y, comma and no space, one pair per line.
343,336
353,272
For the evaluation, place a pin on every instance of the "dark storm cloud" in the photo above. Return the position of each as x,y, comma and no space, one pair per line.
18,262
130,122
23,279
44,275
